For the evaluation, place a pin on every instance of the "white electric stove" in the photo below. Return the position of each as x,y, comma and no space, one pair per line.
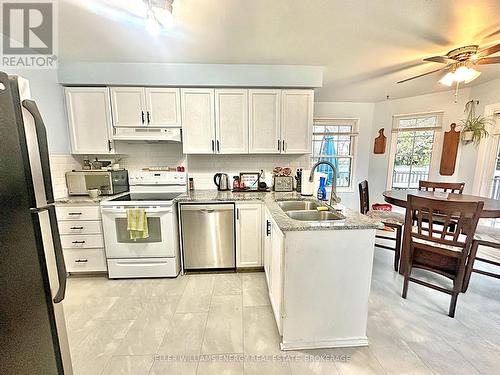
157,255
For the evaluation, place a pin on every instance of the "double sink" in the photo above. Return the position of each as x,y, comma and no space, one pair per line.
308,211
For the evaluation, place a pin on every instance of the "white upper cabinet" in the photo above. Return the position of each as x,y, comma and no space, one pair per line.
248,235
231,121
296,121
163,107
151,106
89,119
128,106
264,121
198,121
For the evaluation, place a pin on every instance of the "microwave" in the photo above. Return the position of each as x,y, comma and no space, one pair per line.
108,182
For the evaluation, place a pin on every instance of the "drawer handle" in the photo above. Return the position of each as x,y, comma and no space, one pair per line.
74,213
76,228
78,242
81,260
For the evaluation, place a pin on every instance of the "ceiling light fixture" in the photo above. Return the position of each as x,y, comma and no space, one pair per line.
461,74
159,16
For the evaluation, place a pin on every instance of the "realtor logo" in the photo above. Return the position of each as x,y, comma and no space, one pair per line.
28,30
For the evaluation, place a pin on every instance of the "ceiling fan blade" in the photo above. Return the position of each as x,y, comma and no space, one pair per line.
489,51
489,60
440,59
424,74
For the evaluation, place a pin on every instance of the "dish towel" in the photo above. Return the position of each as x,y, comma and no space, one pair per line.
137,223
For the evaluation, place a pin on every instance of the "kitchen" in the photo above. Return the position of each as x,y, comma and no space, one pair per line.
205,217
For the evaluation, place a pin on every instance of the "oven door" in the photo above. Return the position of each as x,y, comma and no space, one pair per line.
159,244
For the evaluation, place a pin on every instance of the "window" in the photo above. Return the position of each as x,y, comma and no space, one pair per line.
334,141
412,143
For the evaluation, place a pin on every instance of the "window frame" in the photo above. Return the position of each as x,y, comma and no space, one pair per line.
354,134
436,145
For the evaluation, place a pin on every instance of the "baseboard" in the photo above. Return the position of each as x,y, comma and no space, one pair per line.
338,343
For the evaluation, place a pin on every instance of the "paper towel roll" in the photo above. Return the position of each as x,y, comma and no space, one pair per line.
311,188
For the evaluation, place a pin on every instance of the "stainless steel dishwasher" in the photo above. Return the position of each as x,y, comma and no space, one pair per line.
208,239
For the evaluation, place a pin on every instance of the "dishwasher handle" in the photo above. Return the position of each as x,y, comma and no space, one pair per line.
207,208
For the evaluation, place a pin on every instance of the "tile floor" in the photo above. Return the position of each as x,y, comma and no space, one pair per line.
204,324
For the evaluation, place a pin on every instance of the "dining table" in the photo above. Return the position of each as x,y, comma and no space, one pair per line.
399,197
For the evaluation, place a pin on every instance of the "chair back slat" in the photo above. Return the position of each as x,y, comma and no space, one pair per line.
364,197
450,187
439,215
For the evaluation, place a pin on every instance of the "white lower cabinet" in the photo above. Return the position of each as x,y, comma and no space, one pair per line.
248,235
273,266
80,228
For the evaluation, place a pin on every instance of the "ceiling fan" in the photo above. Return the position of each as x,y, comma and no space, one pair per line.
460,64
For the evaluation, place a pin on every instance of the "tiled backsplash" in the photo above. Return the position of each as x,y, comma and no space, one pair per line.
135,156
203,167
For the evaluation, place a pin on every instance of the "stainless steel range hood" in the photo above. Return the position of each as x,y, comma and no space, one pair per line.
171,135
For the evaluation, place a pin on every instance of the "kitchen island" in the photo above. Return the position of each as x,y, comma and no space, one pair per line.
318,272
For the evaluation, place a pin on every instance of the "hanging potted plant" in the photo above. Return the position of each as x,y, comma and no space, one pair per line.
474,128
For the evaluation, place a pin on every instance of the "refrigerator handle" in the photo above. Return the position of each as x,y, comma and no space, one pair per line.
43,149
58,252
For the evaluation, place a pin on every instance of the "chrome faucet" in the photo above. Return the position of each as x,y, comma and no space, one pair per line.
334,198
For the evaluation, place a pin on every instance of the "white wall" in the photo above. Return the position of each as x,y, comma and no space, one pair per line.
48,94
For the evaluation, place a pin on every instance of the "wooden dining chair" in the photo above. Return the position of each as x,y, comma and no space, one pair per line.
446,187
487,237
393,220
434,246
450,187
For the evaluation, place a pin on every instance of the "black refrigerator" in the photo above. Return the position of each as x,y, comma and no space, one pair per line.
33,336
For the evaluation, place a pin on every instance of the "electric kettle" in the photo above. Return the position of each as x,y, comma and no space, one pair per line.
221,180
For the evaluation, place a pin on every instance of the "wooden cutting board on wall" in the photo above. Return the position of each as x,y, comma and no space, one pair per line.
379,145
450,150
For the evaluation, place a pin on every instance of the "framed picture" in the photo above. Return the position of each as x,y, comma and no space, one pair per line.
250,179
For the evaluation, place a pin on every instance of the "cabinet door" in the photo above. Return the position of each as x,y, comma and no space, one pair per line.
198,121
275,291
296,121
231,121
128,107
264,121
248,235
89,120
163,106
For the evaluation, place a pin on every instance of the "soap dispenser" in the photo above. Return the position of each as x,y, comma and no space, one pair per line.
322,189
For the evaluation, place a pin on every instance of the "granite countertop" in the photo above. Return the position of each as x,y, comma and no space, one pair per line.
84,200
353,219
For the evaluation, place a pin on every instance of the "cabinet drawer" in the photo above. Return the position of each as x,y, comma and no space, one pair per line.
79,227
86,260
79,241
78,213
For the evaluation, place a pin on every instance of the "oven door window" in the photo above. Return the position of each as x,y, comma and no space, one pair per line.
123,236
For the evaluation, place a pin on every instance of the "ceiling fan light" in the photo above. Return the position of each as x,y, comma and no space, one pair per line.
164,17
447,79
152,25
476,74
464,73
